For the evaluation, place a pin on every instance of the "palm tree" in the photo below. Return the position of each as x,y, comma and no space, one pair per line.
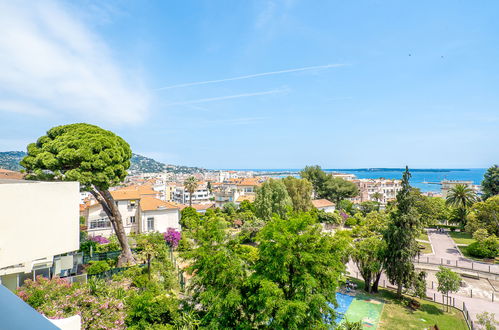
191,184
377,197
461,197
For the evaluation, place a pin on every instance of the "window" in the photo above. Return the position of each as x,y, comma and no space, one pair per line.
100,223
132,203
132,219
150,224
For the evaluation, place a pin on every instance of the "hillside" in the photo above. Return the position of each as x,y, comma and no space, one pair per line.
10,160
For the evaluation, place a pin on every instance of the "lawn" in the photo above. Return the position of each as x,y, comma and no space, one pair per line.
465,253
427,248
424,237
396,314
461,237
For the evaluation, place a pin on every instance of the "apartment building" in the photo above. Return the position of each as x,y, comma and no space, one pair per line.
235,191
447,185
369,189
201,196
141,211
39,221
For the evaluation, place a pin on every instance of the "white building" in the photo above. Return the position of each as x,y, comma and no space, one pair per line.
324,204
39,220
141,211
385,189
447,185
200,196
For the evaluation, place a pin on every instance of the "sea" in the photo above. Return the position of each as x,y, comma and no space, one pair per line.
427,180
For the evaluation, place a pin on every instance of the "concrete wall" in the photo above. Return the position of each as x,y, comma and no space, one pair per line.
37,220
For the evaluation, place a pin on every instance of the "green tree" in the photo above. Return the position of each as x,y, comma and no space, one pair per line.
96,158
338,189
300,191
403,228
462,198
368,207
189,218
487,321
448,281
191,185
316,176
298,272
272,198
432,210
377,196
369,256
490,183
484,215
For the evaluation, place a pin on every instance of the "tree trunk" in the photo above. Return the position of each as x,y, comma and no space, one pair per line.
190,199
399,290
109,206
376,283
367,284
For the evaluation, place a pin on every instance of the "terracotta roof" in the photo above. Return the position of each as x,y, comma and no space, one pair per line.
132,192
153,204
198,207
322,203
7,174
249,198
249,182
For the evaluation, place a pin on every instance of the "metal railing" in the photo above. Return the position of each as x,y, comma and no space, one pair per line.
462,263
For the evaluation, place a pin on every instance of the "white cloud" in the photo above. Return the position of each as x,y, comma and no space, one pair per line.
228,97
48,57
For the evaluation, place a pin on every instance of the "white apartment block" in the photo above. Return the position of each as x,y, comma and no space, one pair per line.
386,188
447,185
200,196
39,221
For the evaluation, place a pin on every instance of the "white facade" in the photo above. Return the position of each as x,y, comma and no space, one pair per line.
182,196
159,220
98,223
38,220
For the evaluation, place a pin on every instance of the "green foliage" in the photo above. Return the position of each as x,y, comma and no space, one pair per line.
487,248
374,223
487,321
369,256
113,245
351,221
485,215
272,198
189,218
286,281
97,267
56,298
448,281
337,189
432,210
79,152
85,246
299,190
230,208
480,235
150,309
368,207
419,285
462,198
329,217
348,207
191,184
403,228
490,183
246,206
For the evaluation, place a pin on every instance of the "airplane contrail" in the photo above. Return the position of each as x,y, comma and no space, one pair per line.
227,97
317,67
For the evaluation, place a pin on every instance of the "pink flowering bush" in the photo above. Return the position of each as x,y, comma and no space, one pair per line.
99,239
57,299
172,237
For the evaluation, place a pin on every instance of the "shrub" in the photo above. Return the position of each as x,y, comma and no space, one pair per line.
351,221
488,248
172,237
85,246
97,267
480,235
99,239
56,298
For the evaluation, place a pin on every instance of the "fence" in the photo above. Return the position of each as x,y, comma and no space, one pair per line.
464,264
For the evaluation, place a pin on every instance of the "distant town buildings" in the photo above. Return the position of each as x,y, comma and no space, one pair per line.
377,190
447,185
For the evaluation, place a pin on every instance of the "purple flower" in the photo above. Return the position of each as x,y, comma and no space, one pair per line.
99,239
172,237
344,215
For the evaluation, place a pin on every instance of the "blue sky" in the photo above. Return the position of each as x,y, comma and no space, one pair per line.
334,83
